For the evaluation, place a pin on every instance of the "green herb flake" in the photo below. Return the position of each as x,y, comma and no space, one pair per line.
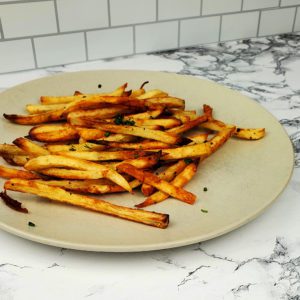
72,148
107,134
31,224
188,161
119,120
204,210
87,146
136,155
205,189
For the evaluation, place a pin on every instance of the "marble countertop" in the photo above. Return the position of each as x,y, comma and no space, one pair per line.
260,260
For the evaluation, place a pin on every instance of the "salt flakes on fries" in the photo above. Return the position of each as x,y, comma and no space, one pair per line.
111,143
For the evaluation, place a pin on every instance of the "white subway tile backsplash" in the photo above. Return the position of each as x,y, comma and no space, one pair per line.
276,21
16,55
132,11
297,22
289,2
82,14
199,31
154,37
28,19
220,6
258,4
60,49
248,23
171,9
110,42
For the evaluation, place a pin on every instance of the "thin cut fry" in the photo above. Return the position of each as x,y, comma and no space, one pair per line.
60,195
7,172
179,181
29,147
158,183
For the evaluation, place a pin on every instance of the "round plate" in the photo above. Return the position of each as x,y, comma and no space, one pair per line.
239,176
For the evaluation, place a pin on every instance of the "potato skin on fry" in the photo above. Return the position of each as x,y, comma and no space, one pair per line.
60,195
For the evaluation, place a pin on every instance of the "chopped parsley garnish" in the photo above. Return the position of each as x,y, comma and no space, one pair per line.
72,148
135,155
31,224
107,134
204,210
87,146
205,189
188,161
119,120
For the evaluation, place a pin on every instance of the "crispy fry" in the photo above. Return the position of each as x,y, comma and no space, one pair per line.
29,147
60,195
38,108
153,93
75,147
16,160
158,183
50,116
78,95
188,125
6,172
157,135
196,150
56,161
53,133
150,114
11,150
183,115
104,155
179,181
168,174
144,145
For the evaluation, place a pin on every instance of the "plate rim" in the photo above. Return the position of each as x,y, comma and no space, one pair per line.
162,245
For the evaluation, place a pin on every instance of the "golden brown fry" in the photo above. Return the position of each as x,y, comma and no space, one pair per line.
199,138
6,172
144,132
183,115
242,133
104,155
106,189
168,174
60,195
53,133
144,145
80,96
100,113
144,162
11,150
29,147
75,147
188,125
38,108
56,161
162,185
153,93
196,150
16,160
71,174
50,116
179,181
149,114
165,123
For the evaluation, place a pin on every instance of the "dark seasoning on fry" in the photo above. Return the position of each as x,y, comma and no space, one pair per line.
86,144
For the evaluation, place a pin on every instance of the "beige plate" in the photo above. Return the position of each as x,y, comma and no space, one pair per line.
243,177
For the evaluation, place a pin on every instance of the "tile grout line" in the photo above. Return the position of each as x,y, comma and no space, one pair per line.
279,4
156,10
134,38
201,7
295,17
56,16
86,46
178,34
34,53
242,5
143,23
1,30
21,2
258,24
220,28
108,13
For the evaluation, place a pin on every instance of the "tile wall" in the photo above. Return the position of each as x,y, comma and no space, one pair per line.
42,33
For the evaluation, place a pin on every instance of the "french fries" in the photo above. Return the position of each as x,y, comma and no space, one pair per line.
111,143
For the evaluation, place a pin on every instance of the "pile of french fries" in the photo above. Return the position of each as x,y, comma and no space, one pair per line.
114,142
